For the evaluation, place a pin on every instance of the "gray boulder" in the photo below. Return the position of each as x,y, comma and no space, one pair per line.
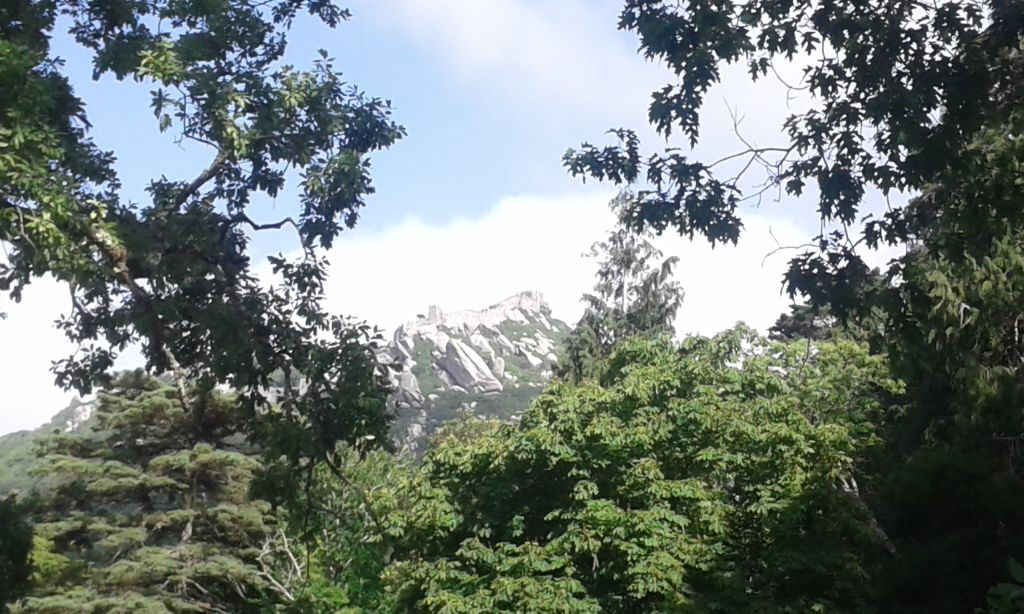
467,369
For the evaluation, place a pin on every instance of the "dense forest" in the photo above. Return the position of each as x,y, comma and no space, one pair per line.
864,456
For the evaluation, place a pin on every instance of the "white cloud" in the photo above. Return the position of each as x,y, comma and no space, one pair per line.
732,283
29,342
536,243
521,243
563,52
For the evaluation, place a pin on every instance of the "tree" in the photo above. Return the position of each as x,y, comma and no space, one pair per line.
340,527
719,477
950,317
904,95
15,550
817,323
634,295
955,455
803,322
150,512
173,274
897,92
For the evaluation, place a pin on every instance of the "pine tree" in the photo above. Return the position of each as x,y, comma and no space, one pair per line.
634,295
151,512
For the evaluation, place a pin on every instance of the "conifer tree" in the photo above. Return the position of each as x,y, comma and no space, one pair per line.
634,295
150,512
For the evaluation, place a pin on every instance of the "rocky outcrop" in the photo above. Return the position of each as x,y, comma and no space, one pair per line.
476,350
467,369
407,389
489,362
78,413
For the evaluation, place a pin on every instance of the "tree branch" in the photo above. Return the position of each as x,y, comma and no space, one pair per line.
851,490
197,183
243,218
117,259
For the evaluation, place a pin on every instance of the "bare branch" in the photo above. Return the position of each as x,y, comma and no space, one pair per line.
293,572
780,247
787,85
197,183
243,218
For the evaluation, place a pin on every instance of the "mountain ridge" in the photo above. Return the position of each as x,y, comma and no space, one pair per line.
486,363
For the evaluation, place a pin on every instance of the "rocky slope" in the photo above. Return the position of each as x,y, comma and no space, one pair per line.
489,363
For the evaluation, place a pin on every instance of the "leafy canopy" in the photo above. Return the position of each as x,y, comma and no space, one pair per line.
897,90
172,274
952,333
717,477
342,527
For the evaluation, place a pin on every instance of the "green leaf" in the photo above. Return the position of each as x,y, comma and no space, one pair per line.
1016,571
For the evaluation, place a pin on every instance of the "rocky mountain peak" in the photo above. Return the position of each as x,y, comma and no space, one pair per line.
490,361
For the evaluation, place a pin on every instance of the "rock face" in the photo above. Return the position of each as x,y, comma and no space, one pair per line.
489,363
467,369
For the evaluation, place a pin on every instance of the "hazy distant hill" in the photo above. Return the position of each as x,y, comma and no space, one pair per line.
17,449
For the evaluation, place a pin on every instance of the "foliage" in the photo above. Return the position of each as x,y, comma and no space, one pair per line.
341,526
923,98
173,274
634,295
954,457
150,512
16,457
422,366
896,91
950,312
1008,598
15,550
717,477
728,474
803,322
817,323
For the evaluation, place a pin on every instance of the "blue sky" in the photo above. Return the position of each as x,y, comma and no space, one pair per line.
473,205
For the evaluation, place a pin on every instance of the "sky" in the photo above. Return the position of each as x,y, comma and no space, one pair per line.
474,204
